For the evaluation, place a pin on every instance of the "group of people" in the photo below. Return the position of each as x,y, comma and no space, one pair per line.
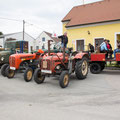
106,47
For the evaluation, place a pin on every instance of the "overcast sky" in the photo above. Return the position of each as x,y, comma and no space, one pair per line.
44,15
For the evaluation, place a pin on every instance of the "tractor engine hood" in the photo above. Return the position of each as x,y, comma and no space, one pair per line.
26,56
4,53
16,59
53,56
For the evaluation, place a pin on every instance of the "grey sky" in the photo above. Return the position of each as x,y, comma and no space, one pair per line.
44,14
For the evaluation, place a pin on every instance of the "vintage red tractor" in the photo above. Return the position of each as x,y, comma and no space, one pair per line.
62,64
25,61
98,61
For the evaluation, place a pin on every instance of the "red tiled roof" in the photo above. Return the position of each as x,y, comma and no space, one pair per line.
53,38
103,11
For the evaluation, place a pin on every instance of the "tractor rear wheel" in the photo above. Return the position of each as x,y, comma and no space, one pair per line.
102,67
10,73
38,77
64,79
81,69
3,68
95,68
28,74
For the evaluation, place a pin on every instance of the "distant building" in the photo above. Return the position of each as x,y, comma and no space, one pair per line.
18,36
92,23
42,40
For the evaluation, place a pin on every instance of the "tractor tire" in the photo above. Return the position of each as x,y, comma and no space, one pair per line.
38,78
64,79
102,67
95,68
81,68
10,73
28,74
3,68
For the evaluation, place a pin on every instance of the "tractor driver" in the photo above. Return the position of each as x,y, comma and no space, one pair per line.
64,40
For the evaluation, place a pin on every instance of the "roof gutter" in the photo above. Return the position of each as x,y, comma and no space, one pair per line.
67,26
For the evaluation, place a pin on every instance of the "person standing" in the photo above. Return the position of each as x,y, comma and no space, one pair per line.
64,40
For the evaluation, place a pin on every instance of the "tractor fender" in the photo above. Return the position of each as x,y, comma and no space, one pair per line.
81,55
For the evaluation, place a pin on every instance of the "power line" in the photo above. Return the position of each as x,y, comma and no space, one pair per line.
10,19
24,22
34,25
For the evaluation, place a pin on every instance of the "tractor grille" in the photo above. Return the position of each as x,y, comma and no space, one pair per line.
12,61
45,64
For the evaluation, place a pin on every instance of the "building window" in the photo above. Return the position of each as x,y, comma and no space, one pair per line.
98,41
80,45
43,39
37,47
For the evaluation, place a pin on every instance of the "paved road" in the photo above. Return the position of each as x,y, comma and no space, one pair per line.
96,98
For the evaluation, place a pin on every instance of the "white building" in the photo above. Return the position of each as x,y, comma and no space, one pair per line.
19,36
42,40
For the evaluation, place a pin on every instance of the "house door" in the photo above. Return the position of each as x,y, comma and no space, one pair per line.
98,41
79,45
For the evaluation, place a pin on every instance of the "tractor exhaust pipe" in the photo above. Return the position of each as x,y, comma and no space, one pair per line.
64,51
49,46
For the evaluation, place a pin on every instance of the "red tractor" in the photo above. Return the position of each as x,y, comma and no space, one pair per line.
62,64
25,61
98,62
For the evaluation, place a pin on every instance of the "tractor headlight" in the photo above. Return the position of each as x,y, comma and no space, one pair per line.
38,65
58,67
2,58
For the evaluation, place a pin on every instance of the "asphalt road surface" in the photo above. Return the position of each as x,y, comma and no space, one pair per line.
95,98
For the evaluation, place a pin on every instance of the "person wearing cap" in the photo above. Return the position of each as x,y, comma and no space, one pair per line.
64,40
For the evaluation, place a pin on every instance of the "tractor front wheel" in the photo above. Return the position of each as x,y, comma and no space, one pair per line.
64,79
38,77
81,68
28,74
95,68
3,68
9,73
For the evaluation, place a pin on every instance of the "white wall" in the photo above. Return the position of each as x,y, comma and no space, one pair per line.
19,36
40,43
2,42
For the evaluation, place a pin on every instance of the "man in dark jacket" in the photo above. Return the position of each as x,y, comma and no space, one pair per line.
64,40
91,47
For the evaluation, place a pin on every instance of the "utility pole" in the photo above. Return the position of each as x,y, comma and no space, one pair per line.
23,29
